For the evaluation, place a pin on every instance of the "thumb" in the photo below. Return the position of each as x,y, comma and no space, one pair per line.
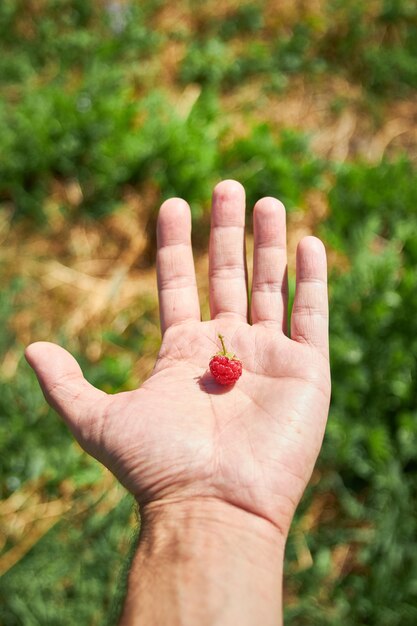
81,405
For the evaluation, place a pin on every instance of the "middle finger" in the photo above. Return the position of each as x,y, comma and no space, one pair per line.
227,258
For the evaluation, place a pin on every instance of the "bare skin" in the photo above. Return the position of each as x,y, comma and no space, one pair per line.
226,465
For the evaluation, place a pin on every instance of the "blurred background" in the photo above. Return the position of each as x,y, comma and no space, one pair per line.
106,109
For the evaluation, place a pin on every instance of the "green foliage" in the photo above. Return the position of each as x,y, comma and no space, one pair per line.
60,133
182,149
70,111
211,59
374,221
269,164
84,588
372,201
208,62
93,135
246,19
214,62
373,43
98,135
59,36
370,452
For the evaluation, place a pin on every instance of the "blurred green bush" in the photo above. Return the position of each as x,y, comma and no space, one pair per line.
373,44
369,459
99,136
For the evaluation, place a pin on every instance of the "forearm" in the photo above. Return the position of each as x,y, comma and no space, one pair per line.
205,563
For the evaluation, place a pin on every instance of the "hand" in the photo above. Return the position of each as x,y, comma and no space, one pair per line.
181,436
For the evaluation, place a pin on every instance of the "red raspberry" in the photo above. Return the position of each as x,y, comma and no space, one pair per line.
225,368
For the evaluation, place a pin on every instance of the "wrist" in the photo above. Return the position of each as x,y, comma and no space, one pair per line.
213,562
209,519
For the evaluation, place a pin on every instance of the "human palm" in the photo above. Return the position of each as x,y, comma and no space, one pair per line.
181,435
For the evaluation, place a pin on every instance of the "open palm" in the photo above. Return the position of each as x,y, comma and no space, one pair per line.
181,435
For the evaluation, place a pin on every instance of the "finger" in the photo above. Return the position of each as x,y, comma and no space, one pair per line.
269,284
227,259
309,319
80,404
178,296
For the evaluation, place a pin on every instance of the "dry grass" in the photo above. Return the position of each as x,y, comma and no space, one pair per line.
27,515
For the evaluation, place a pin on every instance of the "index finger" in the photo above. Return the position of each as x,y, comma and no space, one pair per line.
177,288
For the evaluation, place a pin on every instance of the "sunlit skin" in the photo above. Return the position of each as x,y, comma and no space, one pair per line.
183,438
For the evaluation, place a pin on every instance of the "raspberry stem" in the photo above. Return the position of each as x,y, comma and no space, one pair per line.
223,346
